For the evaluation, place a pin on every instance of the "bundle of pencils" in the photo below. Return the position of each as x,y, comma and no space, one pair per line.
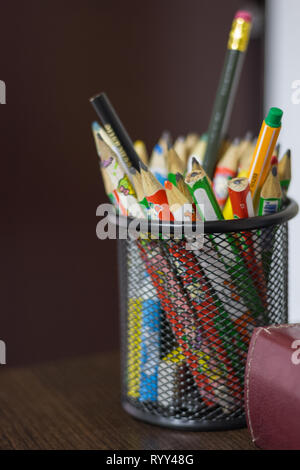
198,177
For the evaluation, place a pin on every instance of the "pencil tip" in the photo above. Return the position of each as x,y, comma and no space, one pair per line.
95,126
143,166
195,163
168,184
158,149
288,153
274,170
178,177
274,160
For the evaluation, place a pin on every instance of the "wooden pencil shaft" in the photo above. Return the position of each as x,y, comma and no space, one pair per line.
240,196
181,185
175,164
284,167
141,150
222,108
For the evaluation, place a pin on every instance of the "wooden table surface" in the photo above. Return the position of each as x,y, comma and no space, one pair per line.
75,404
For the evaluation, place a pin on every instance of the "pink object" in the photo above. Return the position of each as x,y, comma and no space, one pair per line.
246,15
272,387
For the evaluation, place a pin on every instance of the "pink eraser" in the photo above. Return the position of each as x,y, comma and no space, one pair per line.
246,15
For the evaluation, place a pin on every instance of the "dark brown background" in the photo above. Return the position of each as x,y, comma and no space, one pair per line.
159,62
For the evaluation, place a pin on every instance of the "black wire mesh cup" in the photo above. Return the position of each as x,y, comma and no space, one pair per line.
187,317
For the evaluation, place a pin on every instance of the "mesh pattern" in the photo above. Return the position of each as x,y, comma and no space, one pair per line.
187,318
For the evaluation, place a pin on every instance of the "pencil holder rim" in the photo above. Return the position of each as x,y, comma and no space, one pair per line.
219,226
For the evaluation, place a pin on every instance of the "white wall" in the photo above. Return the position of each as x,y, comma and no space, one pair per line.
282,60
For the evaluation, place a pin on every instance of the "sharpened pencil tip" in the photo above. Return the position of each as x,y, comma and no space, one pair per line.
178,177
143,166
274,160
158,149
168,185
95,126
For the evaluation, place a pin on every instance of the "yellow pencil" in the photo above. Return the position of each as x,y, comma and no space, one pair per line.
141,150
261,160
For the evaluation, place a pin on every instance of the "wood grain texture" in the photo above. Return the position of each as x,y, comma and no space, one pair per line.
75,404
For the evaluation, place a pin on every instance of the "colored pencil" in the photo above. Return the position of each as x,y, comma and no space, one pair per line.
124,190
150,341
190,141
247,149
271,194
178,312
115,130
169,378
165,141
261,160
183,211
108,186
181,207
203,195
175,165
242,207
226,247
225,170
236,48
157,164
269,203
138,186
197,151
222,288
135,306
141,150
181,185
181,149
155,195
215,335
284,172
240,197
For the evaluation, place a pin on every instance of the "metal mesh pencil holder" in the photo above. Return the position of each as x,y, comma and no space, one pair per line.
187,317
